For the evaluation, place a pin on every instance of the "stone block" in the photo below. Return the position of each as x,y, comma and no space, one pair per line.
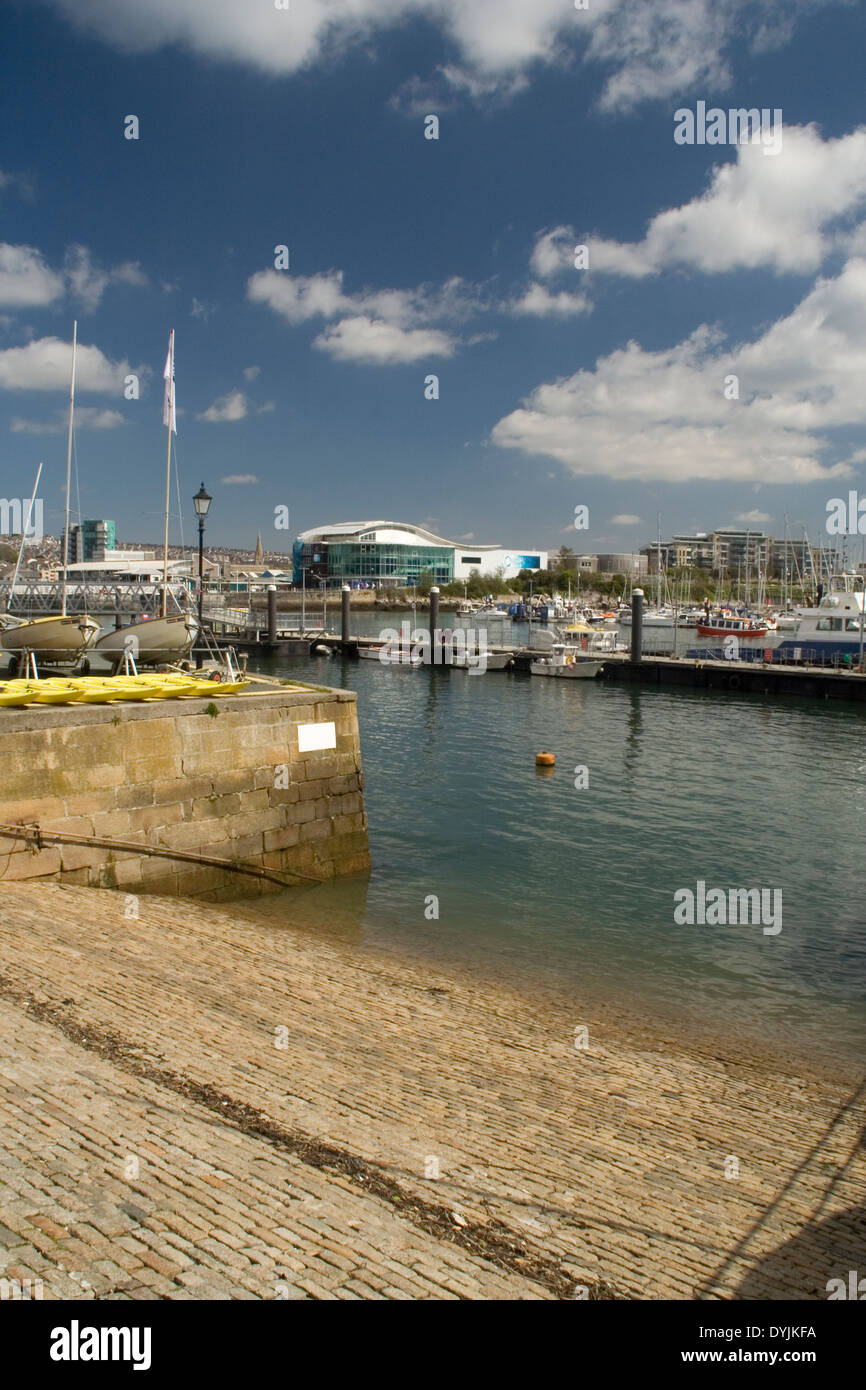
315,830
281,839
153,817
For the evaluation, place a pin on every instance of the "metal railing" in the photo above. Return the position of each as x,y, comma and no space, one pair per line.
39,598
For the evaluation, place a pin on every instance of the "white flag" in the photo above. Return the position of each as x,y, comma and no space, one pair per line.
168,410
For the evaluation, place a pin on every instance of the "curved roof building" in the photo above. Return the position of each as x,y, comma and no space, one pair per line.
396,552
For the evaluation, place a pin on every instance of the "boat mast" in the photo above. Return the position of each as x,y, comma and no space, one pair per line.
170,414
68,471
659,561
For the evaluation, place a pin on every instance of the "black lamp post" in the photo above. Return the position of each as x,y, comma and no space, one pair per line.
201,502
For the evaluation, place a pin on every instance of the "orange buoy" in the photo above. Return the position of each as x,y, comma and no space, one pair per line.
545,759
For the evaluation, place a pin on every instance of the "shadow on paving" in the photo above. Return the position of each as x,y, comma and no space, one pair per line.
802,1267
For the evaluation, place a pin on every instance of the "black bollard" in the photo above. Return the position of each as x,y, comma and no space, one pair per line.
347,600
637,625
435,657
272,613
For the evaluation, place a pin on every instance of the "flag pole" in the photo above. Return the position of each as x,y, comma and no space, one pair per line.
169,397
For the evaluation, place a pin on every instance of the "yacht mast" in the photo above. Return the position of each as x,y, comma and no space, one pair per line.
168,419
68,472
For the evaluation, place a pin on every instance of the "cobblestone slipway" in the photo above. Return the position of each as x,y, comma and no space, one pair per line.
202,1103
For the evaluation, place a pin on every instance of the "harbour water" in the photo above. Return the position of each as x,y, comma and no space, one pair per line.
572,887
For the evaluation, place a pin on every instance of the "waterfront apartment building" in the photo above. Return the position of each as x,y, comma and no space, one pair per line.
742,551
89,540
734,552
384,554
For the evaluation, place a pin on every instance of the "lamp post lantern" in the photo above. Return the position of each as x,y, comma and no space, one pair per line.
201,502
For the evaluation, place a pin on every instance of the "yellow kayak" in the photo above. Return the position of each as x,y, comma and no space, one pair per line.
14,697
54,690
48,692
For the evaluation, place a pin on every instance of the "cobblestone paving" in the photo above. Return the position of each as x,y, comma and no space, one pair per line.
605,1167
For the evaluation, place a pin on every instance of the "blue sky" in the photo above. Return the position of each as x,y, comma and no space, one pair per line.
558,386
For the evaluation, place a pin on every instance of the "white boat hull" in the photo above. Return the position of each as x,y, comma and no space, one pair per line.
54,640
578,670
155,641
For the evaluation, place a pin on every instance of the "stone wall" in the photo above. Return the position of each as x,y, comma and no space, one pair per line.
225,777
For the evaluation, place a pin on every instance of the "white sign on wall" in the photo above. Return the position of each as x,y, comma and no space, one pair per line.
313,736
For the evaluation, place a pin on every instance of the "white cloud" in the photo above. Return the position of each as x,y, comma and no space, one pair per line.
88,281
22,184
232,406
202,309
86,418
383,327
378,343
624,519
45,365
266,408
25,279
250,373
647,50
664,414
778,212
538,302
239,479
297,298
753,515
553,251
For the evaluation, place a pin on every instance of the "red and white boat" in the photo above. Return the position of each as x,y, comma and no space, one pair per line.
732,625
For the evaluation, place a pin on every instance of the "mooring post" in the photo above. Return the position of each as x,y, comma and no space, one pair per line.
347,601
272,613
434,626
637,625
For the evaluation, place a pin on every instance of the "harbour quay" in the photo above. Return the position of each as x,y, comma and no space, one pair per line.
740,677
248,793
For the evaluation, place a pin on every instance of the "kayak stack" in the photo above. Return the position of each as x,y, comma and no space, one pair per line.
100,690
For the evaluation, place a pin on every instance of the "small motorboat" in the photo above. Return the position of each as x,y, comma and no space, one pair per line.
565,663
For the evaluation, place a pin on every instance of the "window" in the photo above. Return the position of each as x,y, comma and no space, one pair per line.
470,559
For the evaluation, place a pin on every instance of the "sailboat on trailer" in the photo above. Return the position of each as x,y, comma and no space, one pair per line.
168,638
62,639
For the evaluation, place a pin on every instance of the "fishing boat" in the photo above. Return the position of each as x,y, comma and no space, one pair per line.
727,624
590,641
565,663
168,637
